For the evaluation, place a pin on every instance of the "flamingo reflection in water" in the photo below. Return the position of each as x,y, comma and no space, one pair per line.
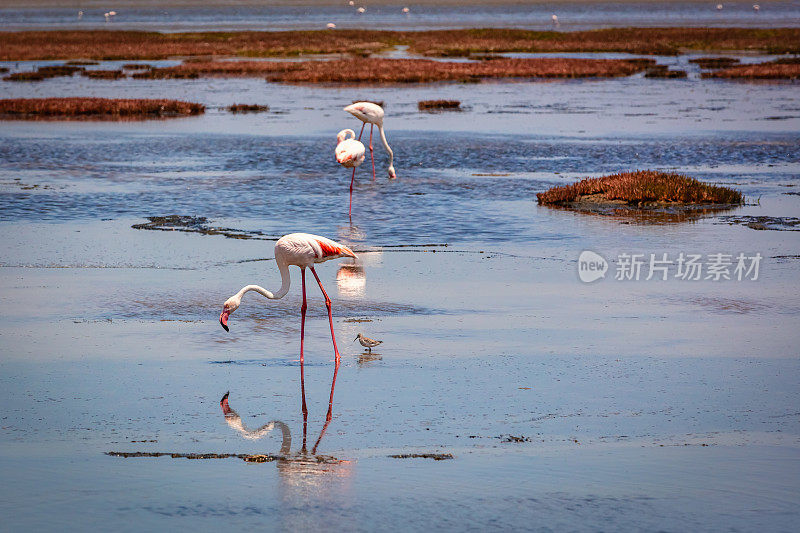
302,457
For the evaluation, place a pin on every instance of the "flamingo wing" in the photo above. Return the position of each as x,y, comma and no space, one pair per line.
329,249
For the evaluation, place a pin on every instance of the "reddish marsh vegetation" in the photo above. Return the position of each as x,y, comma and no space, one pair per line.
373,70
152,45
103,74
786,69
641,187
422,70
96,108
664,41
715,62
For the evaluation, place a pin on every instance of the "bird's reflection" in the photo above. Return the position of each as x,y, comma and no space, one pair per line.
233,419
301,463
351,280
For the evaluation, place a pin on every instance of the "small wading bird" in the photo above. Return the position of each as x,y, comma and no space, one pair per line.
366,342
302,250
350,153
372,114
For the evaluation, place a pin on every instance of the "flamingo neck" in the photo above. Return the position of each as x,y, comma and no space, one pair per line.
286,281
386,145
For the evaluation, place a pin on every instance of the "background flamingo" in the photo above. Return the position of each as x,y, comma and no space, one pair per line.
349,154
302,250
367,112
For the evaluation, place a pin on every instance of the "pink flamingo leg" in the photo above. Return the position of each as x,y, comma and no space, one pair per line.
333,338
362,130
350,210
302,338
371,151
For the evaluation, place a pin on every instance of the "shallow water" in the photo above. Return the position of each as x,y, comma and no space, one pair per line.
571,16
634,405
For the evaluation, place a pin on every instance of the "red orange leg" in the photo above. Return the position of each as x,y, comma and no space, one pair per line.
302,338
352,179
333,338
371,151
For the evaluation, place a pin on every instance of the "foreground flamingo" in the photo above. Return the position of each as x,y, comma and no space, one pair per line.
302,250
367,112
349,154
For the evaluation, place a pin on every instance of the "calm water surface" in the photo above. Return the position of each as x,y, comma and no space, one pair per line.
571,16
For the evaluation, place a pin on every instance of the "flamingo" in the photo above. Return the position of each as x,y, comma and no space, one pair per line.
349,154
367,112
331,26
303,250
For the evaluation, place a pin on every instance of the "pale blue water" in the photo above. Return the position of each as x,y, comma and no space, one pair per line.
571,16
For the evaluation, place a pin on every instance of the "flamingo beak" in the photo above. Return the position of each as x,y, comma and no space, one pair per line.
354,340
223,319
224,404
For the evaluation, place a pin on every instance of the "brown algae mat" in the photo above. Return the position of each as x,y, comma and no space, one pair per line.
248,108
249,458
640,188
425,105
374,70
104,44
95,108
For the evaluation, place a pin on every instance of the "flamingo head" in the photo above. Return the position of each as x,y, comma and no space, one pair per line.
392,174
342,135
231,305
